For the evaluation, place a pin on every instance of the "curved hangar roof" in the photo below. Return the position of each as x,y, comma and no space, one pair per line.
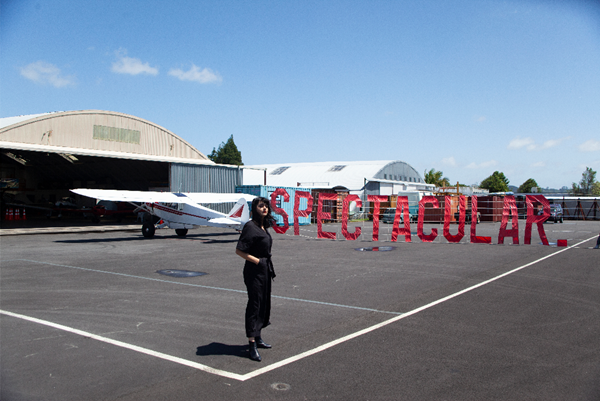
350,175
97,133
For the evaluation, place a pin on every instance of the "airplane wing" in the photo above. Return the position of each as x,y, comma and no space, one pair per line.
205,197
163,197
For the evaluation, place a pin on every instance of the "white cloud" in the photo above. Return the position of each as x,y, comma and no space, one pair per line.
480,119
530,144
553,142
449,161
519,143
44,73
487,164
539,164
195,74
590,146
131,66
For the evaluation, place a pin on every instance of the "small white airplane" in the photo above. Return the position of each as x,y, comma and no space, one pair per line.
180,211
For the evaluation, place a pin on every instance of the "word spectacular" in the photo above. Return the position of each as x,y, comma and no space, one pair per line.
509,211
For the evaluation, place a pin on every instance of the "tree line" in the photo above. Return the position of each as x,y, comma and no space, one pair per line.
497,182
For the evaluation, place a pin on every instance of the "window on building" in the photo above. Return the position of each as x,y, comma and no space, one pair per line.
337,168
279,170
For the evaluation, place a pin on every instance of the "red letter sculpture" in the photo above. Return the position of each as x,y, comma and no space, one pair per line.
474,238
539,219
345,232
448,217
324,215
376,199
401,203
301,213
280,211
426,199
510,208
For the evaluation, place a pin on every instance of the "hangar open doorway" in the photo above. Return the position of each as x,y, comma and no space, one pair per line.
43,156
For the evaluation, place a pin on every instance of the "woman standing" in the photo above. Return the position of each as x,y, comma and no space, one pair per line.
254,246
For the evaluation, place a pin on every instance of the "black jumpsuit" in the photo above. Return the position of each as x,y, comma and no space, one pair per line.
257,242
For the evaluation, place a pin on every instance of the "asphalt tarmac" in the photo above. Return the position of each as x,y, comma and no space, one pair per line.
87,316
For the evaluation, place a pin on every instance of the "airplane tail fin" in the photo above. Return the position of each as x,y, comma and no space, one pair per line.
240,211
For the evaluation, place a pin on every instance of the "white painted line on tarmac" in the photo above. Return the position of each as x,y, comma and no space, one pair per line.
132,347
205,286
294,358
395,319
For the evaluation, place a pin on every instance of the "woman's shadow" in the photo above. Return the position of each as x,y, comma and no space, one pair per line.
223,349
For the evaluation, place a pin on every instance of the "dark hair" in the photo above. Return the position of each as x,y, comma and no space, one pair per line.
268,220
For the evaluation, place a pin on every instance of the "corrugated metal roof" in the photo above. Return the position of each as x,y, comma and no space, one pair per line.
7,121
97,133
351,175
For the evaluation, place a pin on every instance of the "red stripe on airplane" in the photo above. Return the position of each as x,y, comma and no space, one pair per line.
237,213
176,212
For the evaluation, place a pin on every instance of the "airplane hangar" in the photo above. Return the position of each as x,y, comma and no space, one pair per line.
42,156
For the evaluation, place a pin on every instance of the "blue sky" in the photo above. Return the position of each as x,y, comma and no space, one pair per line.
465,86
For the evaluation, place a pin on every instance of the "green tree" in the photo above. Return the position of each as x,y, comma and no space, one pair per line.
586,185
227,153
437,178
527,185
496,182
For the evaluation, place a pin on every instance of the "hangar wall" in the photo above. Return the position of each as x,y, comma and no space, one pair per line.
197,178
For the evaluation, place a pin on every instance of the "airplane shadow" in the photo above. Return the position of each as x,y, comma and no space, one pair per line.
223,241
223,349
93,240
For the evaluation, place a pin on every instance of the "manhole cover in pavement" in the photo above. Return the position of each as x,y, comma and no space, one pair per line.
180,273
376,249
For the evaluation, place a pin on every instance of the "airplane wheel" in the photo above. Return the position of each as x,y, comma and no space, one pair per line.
148,230
181,232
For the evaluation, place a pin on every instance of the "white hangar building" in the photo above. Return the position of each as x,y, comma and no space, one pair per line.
382,177
42,156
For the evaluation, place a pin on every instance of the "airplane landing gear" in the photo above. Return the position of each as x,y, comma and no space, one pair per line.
148,230
181,232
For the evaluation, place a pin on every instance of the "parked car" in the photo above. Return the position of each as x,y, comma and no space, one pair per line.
556,213
390,213
67,202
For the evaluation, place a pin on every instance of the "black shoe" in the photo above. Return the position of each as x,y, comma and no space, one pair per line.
261,344
254,355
